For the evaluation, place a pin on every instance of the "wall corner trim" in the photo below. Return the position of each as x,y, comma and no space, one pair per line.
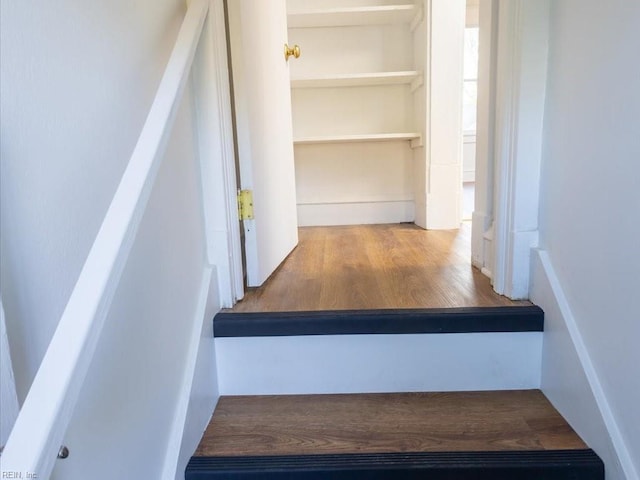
521,76
619,445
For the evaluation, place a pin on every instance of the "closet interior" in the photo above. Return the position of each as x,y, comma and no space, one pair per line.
359,109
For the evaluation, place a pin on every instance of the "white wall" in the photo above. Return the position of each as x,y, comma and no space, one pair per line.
77,83
131,389
590,202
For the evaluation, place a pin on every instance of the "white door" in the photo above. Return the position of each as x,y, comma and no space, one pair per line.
258,32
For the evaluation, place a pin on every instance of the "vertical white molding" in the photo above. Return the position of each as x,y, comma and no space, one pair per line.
217,158
520,98
221,66
8,396
506,135
444,105
421,114
438,163
485,136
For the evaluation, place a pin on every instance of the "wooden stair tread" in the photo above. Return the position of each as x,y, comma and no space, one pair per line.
386,423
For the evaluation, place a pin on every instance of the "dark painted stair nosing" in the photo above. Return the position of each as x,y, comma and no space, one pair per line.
505,465
362,322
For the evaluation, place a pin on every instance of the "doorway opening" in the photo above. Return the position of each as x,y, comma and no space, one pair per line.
376,151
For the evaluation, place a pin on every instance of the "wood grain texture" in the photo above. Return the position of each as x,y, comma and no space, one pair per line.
375,267
386,423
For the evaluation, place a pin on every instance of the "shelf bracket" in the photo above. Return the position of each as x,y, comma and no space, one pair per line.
417,83
417,20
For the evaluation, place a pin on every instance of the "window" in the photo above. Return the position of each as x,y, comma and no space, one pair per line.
470,88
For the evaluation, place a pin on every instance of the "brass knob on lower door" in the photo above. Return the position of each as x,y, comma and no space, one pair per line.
291,51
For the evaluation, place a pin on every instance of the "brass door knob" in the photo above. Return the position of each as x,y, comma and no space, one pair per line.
291,51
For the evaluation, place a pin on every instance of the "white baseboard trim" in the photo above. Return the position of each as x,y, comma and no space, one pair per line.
519,267
378,363
468,176
356,213
569,378
198,392
486,272
480,222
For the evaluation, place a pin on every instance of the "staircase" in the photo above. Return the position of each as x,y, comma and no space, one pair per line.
314,395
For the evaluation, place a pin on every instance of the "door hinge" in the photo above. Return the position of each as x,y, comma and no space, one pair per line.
245,205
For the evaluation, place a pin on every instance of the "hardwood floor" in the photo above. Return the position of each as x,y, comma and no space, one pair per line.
375,267
386,423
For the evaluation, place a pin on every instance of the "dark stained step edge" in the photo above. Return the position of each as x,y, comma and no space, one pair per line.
533,465
363,322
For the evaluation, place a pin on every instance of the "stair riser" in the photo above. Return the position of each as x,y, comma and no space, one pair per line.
378,363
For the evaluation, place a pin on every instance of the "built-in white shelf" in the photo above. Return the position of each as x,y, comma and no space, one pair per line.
358,80
343,17
415,138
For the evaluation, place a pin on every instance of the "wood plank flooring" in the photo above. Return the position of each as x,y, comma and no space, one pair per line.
375,267
386,423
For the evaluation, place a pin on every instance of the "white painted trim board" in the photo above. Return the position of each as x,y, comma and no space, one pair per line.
355,213
481,248
177,433
378,363
588,401
217,157
523,43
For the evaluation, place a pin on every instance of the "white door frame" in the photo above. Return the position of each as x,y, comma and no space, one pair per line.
217,157
512,88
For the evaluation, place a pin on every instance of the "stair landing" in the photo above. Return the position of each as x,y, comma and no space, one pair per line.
474,435
371,267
